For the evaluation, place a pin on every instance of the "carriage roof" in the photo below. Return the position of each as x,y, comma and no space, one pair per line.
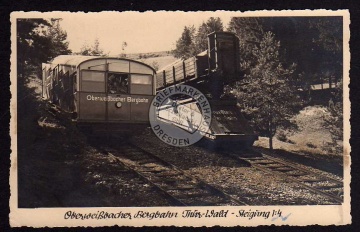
75,60
72,60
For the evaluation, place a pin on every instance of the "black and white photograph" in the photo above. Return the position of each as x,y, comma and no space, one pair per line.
180,118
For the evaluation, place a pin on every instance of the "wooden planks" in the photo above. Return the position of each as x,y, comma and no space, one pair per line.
177,72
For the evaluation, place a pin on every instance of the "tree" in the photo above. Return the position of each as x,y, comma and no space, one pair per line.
250,33
123,48
96,50
313,43
185,45
329,34
28,32
58,39
320,55
191,43
39,41
211,25
329,39
266,92
85,50
318,58
334,120
93,50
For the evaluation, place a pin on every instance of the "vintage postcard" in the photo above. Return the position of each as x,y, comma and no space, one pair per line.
180,118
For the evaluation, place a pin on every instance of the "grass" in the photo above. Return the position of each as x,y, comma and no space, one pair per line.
311,137
162,61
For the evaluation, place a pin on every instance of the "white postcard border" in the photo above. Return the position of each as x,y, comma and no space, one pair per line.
297,215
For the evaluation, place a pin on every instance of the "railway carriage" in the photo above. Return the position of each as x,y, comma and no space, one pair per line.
113,94
102,94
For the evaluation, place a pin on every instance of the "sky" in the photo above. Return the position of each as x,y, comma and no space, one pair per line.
143,32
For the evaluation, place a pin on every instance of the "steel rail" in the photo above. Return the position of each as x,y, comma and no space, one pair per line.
292,167
195,183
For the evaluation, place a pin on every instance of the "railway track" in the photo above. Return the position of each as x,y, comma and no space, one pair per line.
313,181
181,188
186,190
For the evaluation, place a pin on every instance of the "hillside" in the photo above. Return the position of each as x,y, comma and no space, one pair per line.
158,62
311,136
145,55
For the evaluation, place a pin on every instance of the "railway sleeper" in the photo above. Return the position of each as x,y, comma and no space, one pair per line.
150,170
337,194
190,191
335,185
166,182
284,169
183,187
311,180
165,173
297,174
275,168
265,162
147,162
183,196
331,188
169,179
255,158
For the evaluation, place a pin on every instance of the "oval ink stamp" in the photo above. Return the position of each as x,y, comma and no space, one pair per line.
180,115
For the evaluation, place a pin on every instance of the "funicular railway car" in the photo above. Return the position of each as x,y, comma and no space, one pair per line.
210,71
102,94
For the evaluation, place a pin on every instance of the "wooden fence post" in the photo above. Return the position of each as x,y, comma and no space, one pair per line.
184,70
174,74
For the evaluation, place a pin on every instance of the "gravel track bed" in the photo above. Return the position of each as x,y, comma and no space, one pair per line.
184,157
122,187
250,183
326,174
235,178
322,165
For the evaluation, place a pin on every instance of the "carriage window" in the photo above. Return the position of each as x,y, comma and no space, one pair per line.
92,76
141,84
141,79
118,83
93,81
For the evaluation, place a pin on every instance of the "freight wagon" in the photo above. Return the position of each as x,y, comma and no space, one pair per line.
210,71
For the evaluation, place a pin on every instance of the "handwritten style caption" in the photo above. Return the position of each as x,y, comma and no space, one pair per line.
272,215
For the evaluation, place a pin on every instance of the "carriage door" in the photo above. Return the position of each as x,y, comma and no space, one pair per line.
92,96
118,90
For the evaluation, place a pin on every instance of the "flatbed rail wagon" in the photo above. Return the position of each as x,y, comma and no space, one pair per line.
210,71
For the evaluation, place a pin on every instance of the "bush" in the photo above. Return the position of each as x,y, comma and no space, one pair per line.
282,136
311,145
155,65
329,148
291,141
